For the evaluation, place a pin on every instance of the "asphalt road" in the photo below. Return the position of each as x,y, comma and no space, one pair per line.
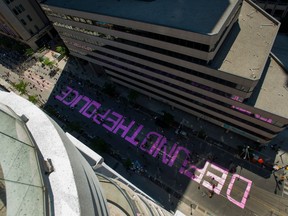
160,181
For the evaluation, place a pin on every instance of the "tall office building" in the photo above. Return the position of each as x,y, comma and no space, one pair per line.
26,22
210,59
277,8
45,171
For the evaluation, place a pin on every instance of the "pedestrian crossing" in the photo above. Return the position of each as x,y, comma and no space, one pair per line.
285,188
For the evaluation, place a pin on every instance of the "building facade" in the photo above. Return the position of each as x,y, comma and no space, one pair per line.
210,66
277,8
26,22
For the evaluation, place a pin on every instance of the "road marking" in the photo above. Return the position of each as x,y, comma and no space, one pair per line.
285,188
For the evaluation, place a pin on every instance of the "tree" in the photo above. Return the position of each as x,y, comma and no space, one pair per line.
62,50
29,52
21,87
33,99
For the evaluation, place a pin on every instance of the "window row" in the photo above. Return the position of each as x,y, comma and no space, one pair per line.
256,116
157,61
18,9
9,1
24,22
132,43
189,82
189,107
156,36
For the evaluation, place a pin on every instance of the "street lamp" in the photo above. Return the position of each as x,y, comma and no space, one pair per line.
246,153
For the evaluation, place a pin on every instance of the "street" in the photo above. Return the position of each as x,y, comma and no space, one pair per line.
176,180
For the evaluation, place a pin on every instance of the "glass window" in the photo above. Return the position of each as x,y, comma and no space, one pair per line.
29,18
15,11
37,28
21,8
82,20
23,21
89,21
76,19
9,1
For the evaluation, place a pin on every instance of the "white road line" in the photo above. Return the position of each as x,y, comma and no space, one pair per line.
285,188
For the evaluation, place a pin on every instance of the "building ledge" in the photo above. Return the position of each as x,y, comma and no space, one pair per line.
248,45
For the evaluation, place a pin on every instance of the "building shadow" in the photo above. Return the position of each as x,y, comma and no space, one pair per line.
253,98
226,46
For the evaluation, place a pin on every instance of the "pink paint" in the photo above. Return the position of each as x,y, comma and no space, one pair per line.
197,174
163,146
149,137
76,94
176,153
95,106
219,179
84,98
123,127
64,93
132,139
263,119
187,172
243,201
159,145
242,110
114,122
237,98
102,117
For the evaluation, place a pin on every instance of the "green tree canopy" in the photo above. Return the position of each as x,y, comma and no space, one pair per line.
33,99
21,87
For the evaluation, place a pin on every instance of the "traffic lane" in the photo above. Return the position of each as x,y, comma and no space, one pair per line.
131,112
116,134
199,147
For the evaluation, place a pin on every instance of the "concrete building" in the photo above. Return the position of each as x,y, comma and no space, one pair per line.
26,22
45,171
212,60
277,8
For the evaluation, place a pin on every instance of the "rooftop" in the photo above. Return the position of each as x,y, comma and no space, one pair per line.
206,16
68,184
73,187
21,183
273,96
247,47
